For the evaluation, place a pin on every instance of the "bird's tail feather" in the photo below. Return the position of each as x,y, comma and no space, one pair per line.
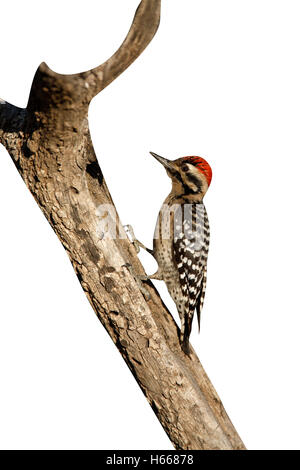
185,335
185,346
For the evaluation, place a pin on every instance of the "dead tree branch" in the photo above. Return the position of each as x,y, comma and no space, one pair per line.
50,145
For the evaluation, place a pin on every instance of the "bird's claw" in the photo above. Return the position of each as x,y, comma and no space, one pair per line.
129,230
139,278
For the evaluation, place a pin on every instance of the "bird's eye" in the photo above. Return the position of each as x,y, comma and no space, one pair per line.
185,168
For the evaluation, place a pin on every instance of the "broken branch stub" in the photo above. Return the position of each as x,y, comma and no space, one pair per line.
50,144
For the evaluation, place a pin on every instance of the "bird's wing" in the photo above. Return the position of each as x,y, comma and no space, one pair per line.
190,255
201,296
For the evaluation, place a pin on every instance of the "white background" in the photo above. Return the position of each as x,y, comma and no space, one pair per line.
221,80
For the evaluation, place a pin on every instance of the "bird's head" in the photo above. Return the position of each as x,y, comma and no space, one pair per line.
191,176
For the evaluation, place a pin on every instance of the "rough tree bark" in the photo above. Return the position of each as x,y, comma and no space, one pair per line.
50,145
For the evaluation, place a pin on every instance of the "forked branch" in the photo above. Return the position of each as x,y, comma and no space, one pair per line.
50,144
143,28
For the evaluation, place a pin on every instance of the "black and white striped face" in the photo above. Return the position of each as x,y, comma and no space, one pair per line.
186,177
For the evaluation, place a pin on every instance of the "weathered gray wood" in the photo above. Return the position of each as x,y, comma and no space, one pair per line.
50,144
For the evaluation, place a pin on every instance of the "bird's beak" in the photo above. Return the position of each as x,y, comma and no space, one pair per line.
168,164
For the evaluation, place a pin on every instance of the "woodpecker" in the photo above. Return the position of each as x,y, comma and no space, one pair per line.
181,239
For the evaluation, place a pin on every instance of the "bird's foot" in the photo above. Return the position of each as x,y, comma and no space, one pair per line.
139,278
136,243
130,233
